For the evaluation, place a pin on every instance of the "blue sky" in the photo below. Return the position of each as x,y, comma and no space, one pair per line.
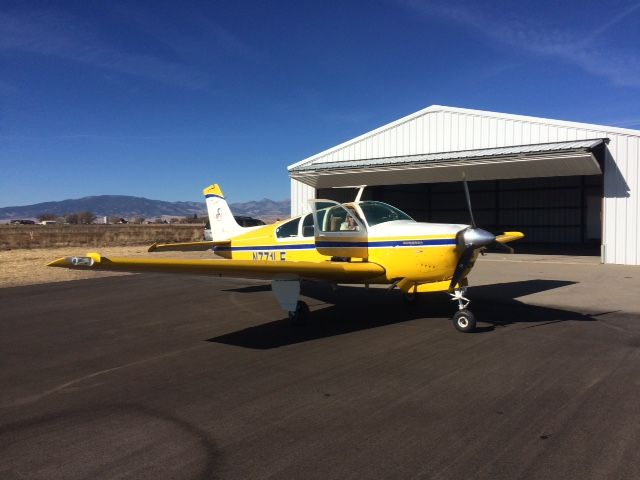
160,99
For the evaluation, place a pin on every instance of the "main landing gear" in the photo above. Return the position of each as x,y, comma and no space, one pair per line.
300,315
287,292
463,320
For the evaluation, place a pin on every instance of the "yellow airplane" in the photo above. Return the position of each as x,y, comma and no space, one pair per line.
364,242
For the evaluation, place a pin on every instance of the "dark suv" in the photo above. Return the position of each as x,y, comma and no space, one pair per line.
22,222
243,221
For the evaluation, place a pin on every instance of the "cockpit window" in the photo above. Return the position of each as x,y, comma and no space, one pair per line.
378,212
307,226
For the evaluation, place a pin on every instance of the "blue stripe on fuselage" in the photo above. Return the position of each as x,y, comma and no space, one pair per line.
295,246
431,242
389,243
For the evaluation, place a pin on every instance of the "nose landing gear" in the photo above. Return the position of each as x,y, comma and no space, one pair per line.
463,320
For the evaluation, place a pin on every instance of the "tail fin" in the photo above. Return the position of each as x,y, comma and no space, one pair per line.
223,225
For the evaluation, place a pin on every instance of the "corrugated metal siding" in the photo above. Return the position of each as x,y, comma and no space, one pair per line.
513,150
621,208
549,210
441,131
447,129
300,196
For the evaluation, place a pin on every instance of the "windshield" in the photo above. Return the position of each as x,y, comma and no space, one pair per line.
378,212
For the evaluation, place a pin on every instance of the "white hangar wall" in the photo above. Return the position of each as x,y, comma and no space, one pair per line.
438,129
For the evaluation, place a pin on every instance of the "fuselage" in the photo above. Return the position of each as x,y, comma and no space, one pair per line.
418,251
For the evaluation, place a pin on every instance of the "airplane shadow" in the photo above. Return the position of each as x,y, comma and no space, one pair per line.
250,289
351,309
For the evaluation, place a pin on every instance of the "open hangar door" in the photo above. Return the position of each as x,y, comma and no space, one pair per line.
557,214
551,192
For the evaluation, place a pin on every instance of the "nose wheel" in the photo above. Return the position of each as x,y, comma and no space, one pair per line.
463,320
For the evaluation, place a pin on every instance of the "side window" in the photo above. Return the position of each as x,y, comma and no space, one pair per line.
307,226
289,229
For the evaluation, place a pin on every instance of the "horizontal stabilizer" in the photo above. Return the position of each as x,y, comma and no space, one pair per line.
185,247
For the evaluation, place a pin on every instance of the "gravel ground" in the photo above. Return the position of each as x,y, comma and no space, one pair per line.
28,266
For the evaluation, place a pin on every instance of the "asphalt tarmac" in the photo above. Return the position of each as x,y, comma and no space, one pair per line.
151,376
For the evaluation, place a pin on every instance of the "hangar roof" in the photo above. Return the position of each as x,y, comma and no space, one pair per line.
424,129
521,161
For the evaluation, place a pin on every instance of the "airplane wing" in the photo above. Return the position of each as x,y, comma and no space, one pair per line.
343,272
185,247
509,237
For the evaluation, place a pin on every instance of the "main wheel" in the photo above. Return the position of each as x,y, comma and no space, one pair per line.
301,314
410,298
464,321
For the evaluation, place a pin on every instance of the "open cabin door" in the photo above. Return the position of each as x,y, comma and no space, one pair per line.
338,231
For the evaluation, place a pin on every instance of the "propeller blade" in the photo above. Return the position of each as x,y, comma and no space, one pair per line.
499,247
461,267
466,193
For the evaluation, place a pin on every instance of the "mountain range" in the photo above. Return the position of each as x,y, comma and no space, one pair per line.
128,206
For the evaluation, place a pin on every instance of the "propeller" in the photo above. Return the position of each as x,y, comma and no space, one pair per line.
468,197
471,239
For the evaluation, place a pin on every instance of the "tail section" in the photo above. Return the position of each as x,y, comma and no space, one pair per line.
223,225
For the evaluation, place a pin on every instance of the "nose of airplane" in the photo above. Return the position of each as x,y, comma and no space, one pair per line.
475,238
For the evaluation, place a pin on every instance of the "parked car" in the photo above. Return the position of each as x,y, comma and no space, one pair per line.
243,221
22,222
248,221
48,222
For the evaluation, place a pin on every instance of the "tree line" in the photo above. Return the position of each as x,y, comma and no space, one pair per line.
88,218
75,218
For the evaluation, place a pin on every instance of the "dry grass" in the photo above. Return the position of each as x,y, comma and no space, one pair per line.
28,267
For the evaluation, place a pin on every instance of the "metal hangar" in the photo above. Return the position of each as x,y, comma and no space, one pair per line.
566,185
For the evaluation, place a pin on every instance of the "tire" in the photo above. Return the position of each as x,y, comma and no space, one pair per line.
301,315
464,321
410,299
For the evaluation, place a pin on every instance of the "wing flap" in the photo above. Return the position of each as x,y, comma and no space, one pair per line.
185,247
333,271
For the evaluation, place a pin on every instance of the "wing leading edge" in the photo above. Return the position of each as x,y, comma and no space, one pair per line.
333,271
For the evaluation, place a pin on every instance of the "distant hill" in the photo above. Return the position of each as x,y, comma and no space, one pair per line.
128,206
265,209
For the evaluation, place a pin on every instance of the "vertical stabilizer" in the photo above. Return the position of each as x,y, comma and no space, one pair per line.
223,225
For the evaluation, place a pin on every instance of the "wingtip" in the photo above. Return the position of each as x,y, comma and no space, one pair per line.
88,260
60,262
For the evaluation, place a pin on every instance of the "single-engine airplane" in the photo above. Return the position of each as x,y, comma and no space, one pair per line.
365,242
